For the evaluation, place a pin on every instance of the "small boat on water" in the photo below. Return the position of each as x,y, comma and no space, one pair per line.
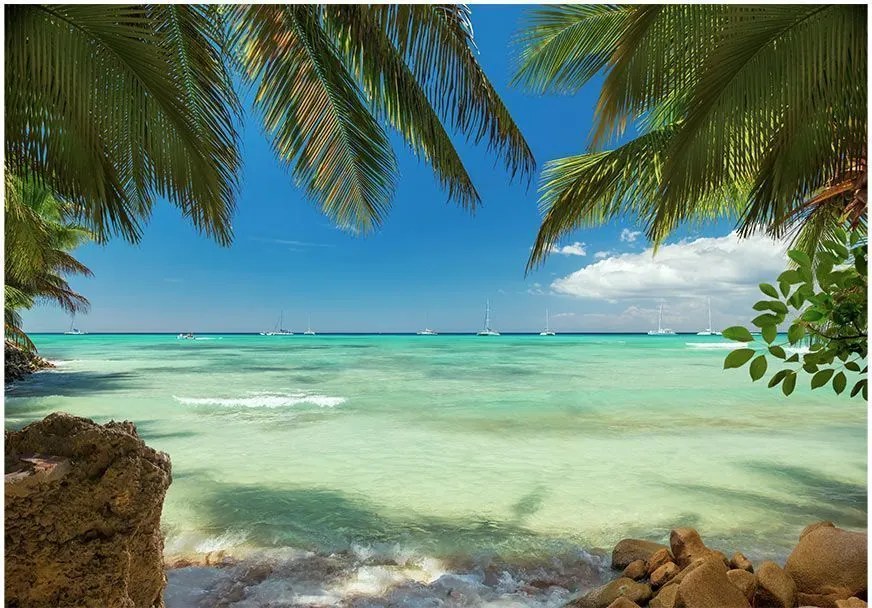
709,332
73,331
487,331
185,336
309,331
278,330
661,331
547,331
427,332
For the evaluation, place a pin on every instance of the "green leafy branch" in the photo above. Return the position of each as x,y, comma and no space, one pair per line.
828,298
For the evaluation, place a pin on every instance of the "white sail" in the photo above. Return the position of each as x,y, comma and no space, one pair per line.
661,331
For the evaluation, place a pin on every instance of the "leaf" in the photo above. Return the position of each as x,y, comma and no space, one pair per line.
852,365
790,276
821,378
738,333
812,315
839,382
794,358
809,367
777,351
861,385
795,333
785,288
770,332
738,358
758,367
769,290
789,383
764,320
778,377
800,257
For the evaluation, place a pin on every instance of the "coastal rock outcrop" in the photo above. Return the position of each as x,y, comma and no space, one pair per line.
602,597
83,504
775,588
18,363
745,581
829,561
707,586
687,546
631,549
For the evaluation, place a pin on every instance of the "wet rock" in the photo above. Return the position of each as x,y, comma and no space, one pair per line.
829,561
740,562
664,574
83,504
687,546
665,598
707,586
658,558
745,581
18,363
636,570
775,588
601,597
631,549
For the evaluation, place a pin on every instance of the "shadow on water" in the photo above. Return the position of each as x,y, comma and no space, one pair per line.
74,384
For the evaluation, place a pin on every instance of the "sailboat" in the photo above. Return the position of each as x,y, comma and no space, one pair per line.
547,331
661,331
72,331
279,330
709,332
487,331
309,331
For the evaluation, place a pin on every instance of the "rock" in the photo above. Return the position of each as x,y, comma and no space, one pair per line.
666,598
829,561
775,588
829,600
815,526
711,559
744,581
631,549
602,597
636,570
851,602
707,586
687,546
83,505
623,602
740,562
18,362
658,558
664,574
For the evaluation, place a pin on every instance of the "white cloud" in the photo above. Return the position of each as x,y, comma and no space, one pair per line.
726,266
536,290
575,248
563,315
629,236
602,254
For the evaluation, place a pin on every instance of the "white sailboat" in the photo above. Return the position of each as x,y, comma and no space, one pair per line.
709,332
547,331
278,330
661,331
427,331
309,331
487,331
73,331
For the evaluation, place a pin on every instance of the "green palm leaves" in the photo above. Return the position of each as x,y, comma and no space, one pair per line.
113,106
755,113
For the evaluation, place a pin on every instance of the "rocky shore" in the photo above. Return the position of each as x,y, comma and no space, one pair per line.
18,362
827,569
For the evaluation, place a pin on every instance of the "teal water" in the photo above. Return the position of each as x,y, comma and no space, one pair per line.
452,447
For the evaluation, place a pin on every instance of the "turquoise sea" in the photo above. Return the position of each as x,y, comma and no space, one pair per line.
410,461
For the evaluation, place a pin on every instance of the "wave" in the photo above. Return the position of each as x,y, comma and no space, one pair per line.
716,345
265,399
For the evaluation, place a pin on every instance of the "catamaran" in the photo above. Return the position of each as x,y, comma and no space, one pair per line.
72,331
309,331
547,331
487,331
278,330
709,332
661,331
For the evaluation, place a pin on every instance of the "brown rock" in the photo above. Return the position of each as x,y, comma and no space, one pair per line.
83,505
851,602
815,526
775,588
666,598
707,586
744,581
631,549
658,558
601,597
687,546
636,570
664,574
829,561
740,562
713,560
623,602
829,600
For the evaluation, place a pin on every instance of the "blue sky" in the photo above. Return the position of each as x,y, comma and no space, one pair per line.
431,263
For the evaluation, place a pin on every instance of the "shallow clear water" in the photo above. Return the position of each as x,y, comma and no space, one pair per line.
457,447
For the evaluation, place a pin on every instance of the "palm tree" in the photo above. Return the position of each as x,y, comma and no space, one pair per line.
755,113
114,106
38,239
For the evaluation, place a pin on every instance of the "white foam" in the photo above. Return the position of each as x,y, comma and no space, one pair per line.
717,345
266,400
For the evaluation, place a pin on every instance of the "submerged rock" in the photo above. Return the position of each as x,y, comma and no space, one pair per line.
631,549
83,505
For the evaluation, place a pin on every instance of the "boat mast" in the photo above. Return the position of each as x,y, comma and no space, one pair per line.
546,320
710,314
660,320
487,315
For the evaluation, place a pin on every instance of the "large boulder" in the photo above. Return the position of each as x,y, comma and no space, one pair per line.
740,562
745,581
631,549
636,570
659,558
829,561
707,586
623,602
83,505
775,588
602,597
665,598
663,574
687,546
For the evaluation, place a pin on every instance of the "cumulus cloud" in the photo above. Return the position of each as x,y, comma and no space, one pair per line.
723,265
575,248
602,254
629,236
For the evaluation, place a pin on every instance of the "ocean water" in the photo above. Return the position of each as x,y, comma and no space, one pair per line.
454,470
